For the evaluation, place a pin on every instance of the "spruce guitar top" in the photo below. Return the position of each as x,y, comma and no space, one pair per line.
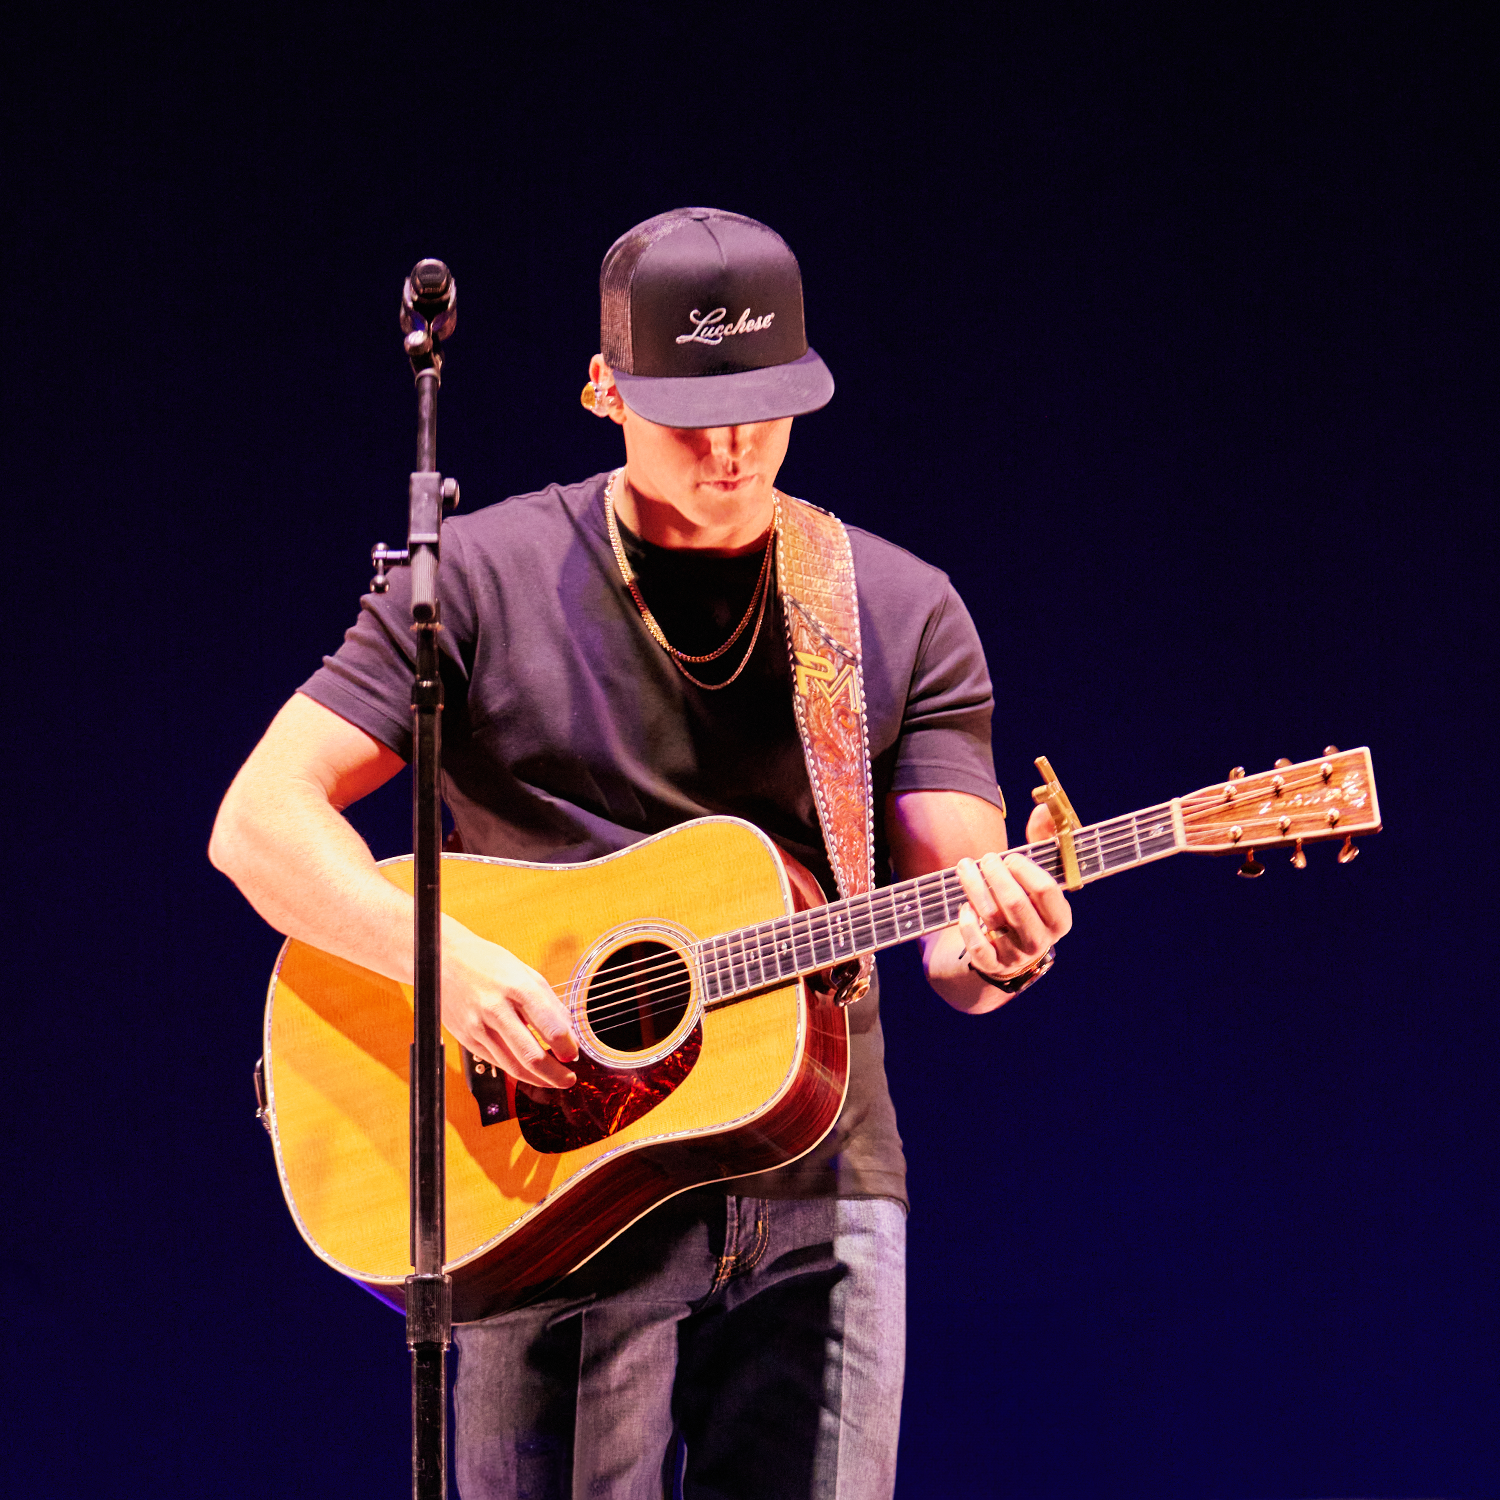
705,1052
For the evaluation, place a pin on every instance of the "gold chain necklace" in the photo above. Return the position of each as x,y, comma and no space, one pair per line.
758,598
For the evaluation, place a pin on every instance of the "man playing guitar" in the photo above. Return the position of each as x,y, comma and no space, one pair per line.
616,663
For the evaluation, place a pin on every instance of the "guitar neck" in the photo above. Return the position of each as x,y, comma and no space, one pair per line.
739,963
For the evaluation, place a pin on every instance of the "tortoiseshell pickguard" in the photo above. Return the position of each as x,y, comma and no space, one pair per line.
603,1100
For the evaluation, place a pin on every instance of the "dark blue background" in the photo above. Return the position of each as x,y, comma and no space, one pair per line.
1168,332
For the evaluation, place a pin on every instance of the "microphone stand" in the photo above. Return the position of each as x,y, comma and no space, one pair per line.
428,315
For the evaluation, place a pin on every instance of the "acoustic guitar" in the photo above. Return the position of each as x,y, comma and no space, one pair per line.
708,1048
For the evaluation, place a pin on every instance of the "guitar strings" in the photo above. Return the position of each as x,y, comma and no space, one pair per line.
631,985
622,994
656,995
635,990
630,977
643,1012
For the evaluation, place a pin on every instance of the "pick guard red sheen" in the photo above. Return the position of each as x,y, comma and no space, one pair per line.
603,1100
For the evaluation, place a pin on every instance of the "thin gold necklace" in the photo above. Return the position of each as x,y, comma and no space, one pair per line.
758,598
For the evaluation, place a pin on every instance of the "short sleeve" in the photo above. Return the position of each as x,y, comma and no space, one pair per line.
945,728
367,681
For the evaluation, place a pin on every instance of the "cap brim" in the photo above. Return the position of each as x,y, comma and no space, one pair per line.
788,390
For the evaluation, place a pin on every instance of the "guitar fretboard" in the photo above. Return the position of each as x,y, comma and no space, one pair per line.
739,963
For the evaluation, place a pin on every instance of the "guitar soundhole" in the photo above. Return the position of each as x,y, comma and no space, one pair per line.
638,1049
638,997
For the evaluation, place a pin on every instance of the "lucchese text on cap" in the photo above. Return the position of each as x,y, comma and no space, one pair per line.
710,328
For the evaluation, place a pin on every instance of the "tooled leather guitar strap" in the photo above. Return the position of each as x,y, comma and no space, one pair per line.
815,575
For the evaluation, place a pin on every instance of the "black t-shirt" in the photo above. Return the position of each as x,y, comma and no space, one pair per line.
568,733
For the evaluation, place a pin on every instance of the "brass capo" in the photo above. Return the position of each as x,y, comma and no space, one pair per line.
1051,796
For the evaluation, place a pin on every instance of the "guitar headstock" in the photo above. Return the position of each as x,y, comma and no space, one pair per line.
1331,797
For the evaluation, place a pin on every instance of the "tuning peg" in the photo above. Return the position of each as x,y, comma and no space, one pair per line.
1251,867
1299,858
1283,763
1238,774
1330,749
1349,851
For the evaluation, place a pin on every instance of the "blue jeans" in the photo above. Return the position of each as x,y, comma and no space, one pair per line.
721,1349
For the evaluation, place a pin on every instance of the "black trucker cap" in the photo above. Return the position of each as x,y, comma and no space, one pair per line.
701,322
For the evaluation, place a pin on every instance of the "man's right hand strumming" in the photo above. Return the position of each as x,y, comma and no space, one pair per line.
497,1007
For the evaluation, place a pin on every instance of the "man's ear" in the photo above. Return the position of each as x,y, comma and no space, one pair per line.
601,376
